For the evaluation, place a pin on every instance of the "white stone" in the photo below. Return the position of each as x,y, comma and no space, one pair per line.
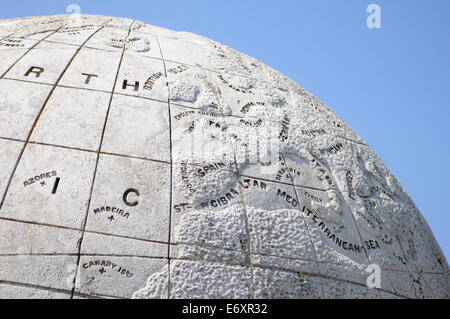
129,167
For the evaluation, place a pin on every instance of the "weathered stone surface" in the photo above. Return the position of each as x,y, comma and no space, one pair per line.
141,162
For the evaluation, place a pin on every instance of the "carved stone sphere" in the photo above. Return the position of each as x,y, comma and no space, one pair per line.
141,162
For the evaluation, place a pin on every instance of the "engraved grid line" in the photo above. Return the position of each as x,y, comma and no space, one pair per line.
167,60
397,238
157,161
304,220
31,142
248,245
28,51
248,258
37,118
83,255
110,51
84,150
11,35
351,212
86,231
218,71
315,275
156,100
270,267
178,244
80,242
171,166
418,271
28,285
58,290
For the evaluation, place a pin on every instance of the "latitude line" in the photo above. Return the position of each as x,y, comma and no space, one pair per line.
160,101
258,266
11,35
142,97
316,275
157,161
353,141
123,94
287,269
80,242
172,61
28,285
150,241
113,50
85,150
211,247
217,71
84,255
59,290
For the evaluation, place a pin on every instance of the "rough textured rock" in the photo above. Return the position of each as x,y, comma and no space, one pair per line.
141,162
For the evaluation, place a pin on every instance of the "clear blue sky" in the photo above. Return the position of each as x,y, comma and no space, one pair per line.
391,85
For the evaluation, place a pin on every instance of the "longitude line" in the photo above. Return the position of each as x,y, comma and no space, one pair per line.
80,242
238,176
351,213
304,220
43,105
39,114
171,163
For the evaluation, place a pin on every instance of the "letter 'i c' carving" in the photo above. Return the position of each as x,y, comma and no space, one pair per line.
125,197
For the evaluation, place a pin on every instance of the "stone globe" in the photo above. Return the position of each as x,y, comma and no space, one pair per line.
140,162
